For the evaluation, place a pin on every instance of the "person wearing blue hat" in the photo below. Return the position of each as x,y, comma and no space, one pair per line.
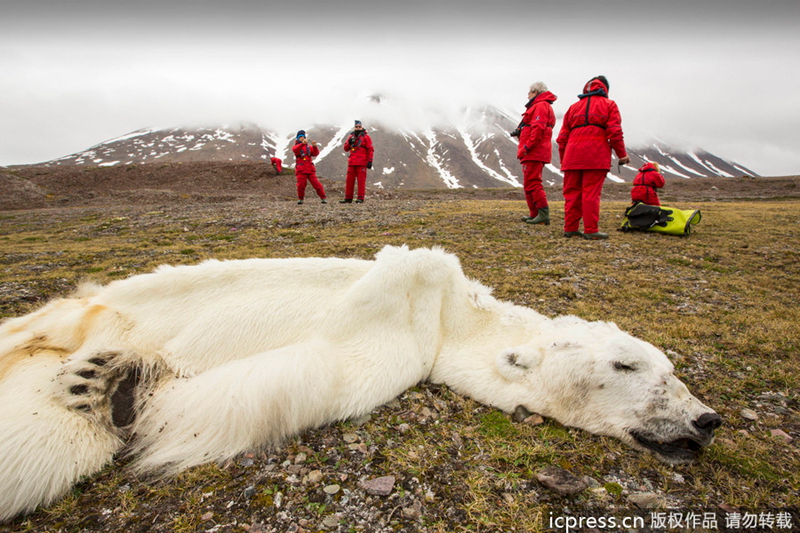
360,152
305,170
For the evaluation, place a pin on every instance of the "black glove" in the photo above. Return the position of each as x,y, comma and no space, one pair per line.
369,165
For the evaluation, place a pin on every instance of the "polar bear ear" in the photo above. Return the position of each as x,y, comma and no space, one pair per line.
514,363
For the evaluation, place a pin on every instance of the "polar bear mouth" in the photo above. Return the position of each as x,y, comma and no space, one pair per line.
678,450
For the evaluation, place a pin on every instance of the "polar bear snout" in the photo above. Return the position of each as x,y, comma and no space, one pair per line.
675,446
707,423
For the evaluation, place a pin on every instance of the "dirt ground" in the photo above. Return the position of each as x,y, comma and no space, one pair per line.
33,187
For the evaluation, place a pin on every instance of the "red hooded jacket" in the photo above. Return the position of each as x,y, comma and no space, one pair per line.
592,127
536,135
645,184
304,154
360,148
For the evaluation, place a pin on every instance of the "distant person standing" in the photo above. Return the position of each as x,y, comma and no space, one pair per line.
359,147
592,128
277,164
535,149
646,184
305,170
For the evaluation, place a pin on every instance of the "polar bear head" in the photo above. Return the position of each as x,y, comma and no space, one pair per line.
593,376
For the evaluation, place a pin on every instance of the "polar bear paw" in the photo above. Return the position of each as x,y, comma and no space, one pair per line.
87,385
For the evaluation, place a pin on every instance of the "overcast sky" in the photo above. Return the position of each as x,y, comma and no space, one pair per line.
721,75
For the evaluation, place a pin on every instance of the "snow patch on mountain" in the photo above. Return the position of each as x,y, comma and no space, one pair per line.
337,142
690,170
718,171
471,147
667,169
438,163
706,164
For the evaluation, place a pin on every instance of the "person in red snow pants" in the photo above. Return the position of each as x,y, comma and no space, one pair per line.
535,149
591,129
646,184
359,147
305,170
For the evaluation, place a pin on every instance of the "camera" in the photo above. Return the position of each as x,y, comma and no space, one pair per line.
515,133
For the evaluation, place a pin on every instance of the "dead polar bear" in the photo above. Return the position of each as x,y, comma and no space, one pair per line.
200,363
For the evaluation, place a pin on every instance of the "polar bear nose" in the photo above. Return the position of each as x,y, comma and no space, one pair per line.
707,423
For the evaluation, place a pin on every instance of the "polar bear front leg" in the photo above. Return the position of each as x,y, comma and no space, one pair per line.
241,405
55,430
101,386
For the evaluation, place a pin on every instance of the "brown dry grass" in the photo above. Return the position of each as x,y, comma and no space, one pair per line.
722,303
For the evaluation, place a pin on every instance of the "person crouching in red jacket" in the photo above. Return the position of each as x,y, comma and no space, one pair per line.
592,128
359,146
277,164
305,170
646,184
535,150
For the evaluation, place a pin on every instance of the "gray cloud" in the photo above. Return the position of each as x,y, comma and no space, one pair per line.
718,75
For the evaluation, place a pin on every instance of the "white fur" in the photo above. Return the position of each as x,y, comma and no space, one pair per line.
236,355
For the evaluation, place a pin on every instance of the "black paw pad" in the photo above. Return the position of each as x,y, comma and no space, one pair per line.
78,389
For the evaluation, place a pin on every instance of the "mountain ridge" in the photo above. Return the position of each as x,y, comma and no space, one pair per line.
477,153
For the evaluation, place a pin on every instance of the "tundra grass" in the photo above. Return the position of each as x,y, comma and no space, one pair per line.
722,303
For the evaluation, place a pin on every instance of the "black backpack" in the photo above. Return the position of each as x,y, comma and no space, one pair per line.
643,217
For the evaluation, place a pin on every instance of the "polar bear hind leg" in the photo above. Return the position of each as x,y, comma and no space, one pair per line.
57,427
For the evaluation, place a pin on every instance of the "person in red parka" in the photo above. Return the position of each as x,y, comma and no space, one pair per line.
277,164
535,150
305,170
359,146
646,184
592,128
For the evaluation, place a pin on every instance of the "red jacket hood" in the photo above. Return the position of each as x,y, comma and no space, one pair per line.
546,96
648,167
593,85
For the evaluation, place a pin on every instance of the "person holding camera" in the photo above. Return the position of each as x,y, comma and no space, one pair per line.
535,134
360,152
591,129
305,170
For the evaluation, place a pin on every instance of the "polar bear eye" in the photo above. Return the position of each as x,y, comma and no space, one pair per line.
624,367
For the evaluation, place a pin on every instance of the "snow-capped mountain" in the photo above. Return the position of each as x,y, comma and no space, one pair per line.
478,152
